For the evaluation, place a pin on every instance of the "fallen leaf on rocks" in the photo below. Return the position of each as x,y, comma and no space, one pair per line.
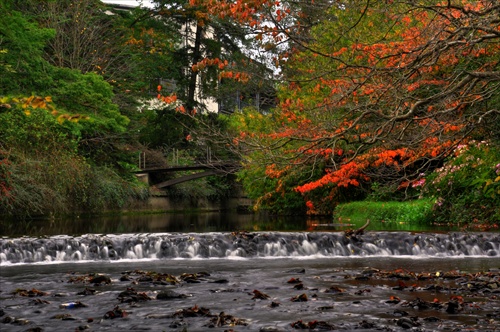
259,295
393,300
294,281
223,320
29,293
334,289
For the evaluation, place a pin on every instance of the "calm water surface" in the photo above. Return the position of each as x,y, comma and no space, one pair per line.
188,222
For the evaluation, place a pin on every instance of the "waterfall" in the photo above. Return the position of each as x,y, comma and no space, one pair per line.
94,247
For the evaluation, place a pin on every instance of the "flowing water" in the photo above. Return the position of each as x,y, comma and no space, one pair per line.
207,275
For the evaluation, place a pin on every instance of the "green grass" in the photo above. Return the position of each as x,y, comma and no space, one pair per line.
393,215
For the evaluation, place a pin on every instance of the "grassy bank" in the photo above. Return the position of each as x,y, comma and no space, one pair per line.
411,212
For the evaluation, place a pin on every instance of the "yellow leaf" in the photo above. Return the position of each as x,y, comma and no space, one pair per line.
62,117
38,102
497,179
48,99
28,113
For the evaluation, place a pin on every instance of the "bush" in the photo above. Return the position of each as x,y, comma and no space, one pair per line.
467,188
41,171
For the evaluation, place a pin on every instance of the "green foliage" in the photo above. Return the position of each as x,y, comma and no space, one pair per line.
90,95
165,128
22,45
271,194
41,171
62,183
36,131
387,213
212,187
467,187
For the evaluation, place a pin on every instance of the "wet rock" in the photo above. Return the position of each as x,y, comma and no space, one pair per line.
453,307
220,281
177,324
299,298
132,296
407,322
362,278
146,278
362,291
115,313
300,325
274,304
370,271
400,313
326,308
169,295
225,320
271,329
192,278
72,305
125,277
300,270
321,325
432,319
493,285
367,325
34,329
20,321
421,304
87,291
100,279
299,286
149,276
193,312
63,317
29,293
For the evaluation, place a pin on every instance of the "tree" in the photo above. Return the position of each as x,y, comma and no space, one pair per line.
58,130
211,61
381,92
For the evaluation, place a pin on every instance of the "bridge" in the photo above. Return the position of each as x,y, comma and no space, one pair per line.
208,169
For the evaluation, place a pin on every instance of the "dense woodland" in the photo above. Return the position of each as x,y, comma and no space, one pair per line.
322,103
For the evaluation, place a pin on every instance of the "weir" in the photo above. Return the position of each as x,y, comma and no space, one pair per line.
96,247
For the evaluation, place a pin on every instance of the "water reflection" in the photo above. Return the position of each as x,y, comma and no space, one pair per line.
200,222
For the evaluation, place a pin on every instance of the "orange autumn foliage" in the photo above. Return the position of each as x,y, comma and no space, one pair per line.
390,94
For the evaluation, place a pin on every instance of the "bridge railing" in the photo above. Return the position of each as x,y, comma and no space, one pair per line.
172,159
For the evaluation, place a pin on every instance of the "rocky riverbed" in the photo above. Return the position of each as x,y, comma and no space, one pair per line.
385,294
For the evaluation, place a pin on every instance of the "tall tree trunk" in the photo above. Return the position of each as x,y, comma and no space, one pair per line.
191,102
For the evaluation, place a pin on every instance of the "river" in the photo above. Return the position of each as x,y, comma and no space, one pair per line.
199,272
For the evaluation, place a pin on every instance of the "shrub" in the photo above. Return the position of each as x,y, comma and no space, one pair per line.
467,188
